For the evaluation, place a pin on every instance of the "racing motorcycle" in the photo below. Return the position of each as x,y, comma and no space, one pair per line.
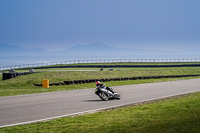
106,93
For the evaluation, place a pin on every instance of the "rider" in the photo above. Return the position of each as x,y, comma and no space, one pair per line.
99,84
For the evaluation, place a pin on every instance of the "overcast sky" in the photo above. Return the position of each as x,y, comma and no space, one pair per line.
60,24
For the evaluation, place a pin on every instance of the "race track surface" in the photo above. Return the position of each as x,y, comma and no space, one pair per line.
22,109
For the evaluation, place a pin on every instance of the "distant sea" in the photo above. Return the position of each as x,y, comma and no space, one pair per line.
21,60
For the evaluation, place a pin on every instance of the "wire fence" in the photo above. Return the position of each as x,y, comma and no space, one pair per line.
95,61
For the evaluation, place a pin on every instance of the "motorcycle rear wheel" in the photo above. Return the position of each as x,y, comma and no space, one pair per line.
103,96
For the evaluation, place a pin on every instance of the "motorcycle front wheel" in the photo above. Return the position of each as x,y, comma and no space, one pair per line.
103,96
117,96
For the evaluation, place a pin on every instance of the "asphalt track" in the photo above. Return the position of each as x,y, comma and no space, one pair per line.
15,110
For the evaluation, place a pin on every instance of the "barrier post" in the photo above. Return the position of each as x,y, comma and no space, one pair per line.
45,83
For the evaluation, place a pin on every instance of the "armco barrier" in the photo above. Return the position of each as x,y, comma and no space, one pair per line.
119,66
73,62
116,79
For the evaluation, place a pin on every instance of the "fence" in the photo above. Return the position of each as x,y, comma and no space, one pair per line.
95,61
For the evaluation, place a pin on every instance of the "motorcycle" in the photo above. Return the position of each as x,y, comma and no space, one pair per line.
105,94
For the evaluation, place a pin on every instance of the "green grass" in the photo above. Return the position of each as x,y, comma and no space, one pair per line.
126,72
56,69
177,115
24,84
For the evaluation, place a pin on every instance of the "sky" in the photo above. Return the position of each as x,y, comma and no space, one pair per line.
60,24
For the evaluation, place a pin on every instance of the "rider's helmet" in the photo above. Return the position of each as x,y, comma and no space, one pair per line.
98,83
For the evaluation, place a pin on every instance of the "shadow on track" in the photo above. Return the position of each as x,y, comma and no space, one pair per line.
94,100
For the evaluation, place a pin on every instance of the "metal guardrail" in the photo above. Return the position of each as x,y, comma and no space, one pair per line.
119,66
95,61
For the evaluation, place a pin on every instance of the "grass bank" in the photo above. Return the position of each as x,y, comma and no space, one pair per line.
24,84
175,115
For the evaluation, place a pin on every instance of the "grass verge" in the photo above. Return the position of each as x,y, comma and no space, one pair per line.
175,115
